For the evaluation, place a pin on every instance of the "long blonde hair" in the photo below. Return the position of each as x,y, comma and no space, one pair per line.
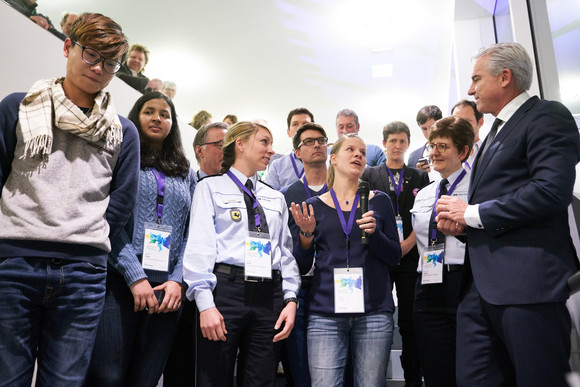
243,130
335,149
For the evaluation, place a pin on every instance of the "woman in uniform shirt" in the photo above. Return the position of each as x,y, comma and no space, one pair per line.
239,266
440,257
351,306
144,280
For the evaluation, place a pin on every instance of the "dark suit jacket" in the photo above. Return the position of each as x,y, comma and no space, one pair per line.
415,156
413,180
523,185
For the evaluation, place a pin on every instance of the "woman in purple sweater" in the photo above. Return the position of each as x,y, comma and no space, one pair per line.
351,297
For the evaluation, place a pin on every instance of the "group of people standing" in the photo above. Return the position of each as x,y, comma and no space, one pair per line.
111,245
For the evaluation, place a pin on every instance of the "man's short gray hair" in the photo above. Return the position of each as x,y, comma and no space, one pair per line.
511,56
348,113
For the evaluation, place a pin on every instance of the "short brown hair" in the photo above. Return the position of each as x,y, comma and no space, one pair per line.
101,33
459,130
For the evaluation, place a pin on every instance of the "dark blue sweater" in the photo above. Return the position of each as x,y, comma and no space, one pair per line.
382,253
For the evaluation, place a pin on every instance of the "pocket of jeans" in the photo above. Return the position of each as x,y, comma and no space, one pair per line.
4,260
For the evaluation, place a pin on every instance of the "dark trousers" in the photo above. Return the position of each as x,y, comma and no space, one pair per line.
405,283
509,345
434,314
180,367
131,347
250,311
296,344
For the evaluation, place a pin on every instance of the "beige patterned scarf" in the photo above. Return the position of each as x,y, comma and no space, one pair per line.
45,98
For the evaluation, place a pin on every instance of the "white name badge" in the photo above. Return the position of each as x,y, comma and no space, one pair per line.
349,295
156,246
258,255
400,228
433,265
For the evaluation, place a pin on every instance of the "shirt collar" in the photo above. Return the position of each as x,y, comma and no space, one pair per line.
508,110
243,178
451,179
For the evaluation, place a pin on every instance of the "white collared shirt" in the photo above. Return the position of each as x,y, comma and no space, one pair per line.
421,216
217,234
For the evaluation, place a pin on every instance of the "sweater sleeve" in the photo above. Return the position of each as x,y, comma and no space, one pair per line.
123,257
8,121
177,273
384,242
123,191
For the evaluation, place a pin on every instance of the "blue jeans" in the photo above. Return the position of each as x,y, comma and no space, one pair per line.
368,338
50,309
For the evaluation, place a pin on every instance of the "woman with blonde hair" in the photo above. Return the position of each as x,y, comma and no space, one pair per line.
351,306
238,265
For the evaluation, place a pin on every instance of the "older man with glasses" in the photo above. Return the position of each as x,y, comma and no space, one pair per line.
69,174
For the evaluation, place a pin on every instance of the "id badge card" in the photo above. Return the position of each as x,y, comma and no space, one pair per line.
433,265
400,228
156,245
258,255
349,296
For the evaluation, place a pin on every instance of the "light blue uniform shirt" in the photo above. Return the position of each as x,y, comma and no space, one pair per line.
217,234
421,216
281,172
375,155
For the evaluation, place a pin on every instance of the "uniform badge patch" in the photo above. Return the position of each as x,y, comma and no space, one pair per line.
236,215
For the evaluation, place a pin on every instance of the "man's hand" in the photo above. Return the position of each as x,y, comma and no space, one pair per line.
451,215
212,324
287,317
424,167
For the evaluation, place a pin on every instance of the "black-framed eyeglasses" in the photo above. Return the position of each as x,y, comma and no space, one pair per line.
219,144
440,147
92,57
310,141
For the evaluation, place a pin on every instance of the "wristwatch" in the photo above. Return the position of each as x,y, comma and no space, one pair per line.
306,234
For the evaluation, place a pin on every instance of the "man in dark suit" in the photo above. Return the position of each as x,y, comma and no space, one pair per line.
513,327
426,117
402,183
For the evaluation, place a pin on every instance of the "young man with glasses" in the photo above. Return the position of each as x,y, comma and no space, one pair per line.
309,144
69,174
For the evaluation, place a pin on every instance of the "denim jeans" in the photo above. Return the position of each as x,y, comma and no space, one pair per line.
368,338
50,309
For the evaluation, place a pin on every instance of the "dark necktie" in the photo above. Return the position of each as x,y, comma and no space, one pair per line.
432,223
251,212
490,137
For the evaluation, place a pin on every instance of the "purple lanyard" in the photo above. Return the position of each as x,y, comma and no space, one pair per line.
346,228
398,188
293,159
307,189
160,177
246,190
468,166
451,189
